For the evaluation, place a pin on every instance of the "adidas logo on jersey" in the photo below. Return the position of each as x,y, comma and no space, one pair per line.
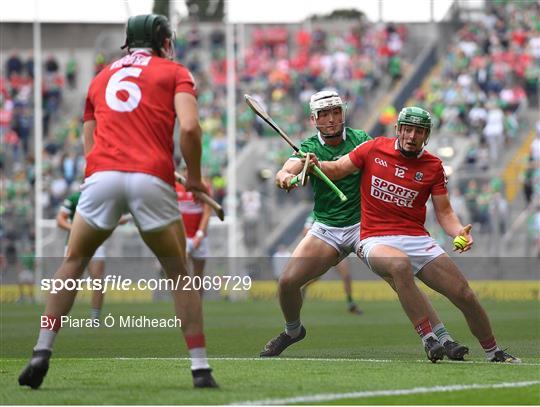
381,162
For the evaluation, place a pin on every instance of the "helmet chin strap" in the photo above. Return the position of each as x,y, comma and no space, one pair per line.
410,154
323,126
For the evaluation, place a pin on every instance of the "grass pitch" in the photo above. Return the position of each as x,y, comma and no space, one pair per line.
375,358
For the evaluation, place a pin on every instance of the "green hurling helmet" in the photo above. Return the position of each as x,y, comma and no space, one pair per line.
147,31
415,116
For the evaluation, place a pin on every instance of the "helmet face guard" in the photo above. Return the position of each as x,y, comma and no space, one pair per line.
149,31
415,116
325,100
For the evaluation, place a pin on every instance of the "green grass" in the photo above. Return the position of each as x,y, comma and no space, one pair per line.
86,368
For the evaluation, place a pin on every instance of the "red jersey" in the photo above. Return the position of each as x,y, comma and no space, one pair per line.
191,210
395,189
132,101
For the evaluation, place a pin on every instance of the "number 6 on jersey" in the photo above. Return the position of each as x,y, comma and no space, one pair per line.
117,84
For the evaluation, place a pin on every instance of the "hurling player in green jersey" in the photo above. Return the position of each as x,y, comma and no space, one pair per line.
96,266
342,268
336,230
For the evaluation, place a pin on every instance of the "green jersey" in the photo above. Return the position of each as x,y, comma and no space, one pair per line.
70,206
310,220
329,209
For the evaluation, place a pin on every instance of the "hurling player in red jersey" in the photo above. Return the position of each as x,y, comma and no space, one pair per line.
129,118
195,215
398,177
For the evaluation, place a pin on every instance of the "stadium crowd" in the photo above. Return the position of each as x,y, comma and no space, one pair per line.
479,91
486,79
531,190
17,170
281,65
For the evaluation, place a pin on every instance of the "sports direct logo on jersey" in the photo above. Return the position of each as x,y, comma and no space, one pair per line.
393,193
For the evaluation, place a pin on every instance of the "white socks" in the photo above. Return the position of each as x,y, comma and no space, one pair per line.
45,339
442,333
199,360
293,328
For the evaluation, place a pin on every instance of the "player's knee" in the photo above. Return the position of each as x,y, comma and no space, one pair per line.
390,282
288,282
399,270
285,282
74,266
466,294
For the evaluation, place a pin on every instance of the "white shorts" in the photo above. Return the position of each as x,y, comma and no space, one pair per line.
26,277
345,240
200,252
100,253
106,195
420,249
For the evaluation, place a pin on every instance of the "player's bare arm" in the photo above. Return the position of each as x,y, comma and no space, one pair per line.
88,135
448,219
186,109
207,212
290,169
203,226
62,220
336,170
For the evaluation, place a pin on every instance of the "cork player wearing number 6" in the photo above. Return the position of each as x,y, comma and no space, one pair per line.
129,118
398,177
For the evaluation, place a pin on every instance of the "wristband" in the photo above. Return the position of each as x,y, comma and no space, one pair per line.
199,234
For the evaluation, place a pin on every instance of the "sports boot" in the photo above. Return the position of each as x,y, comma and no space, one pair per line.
455,350
203,378
36,369
434,350
353,309
502,356
277,345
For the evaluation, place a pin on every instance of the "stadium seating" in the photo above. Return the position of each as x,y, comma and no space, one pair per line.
488,69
